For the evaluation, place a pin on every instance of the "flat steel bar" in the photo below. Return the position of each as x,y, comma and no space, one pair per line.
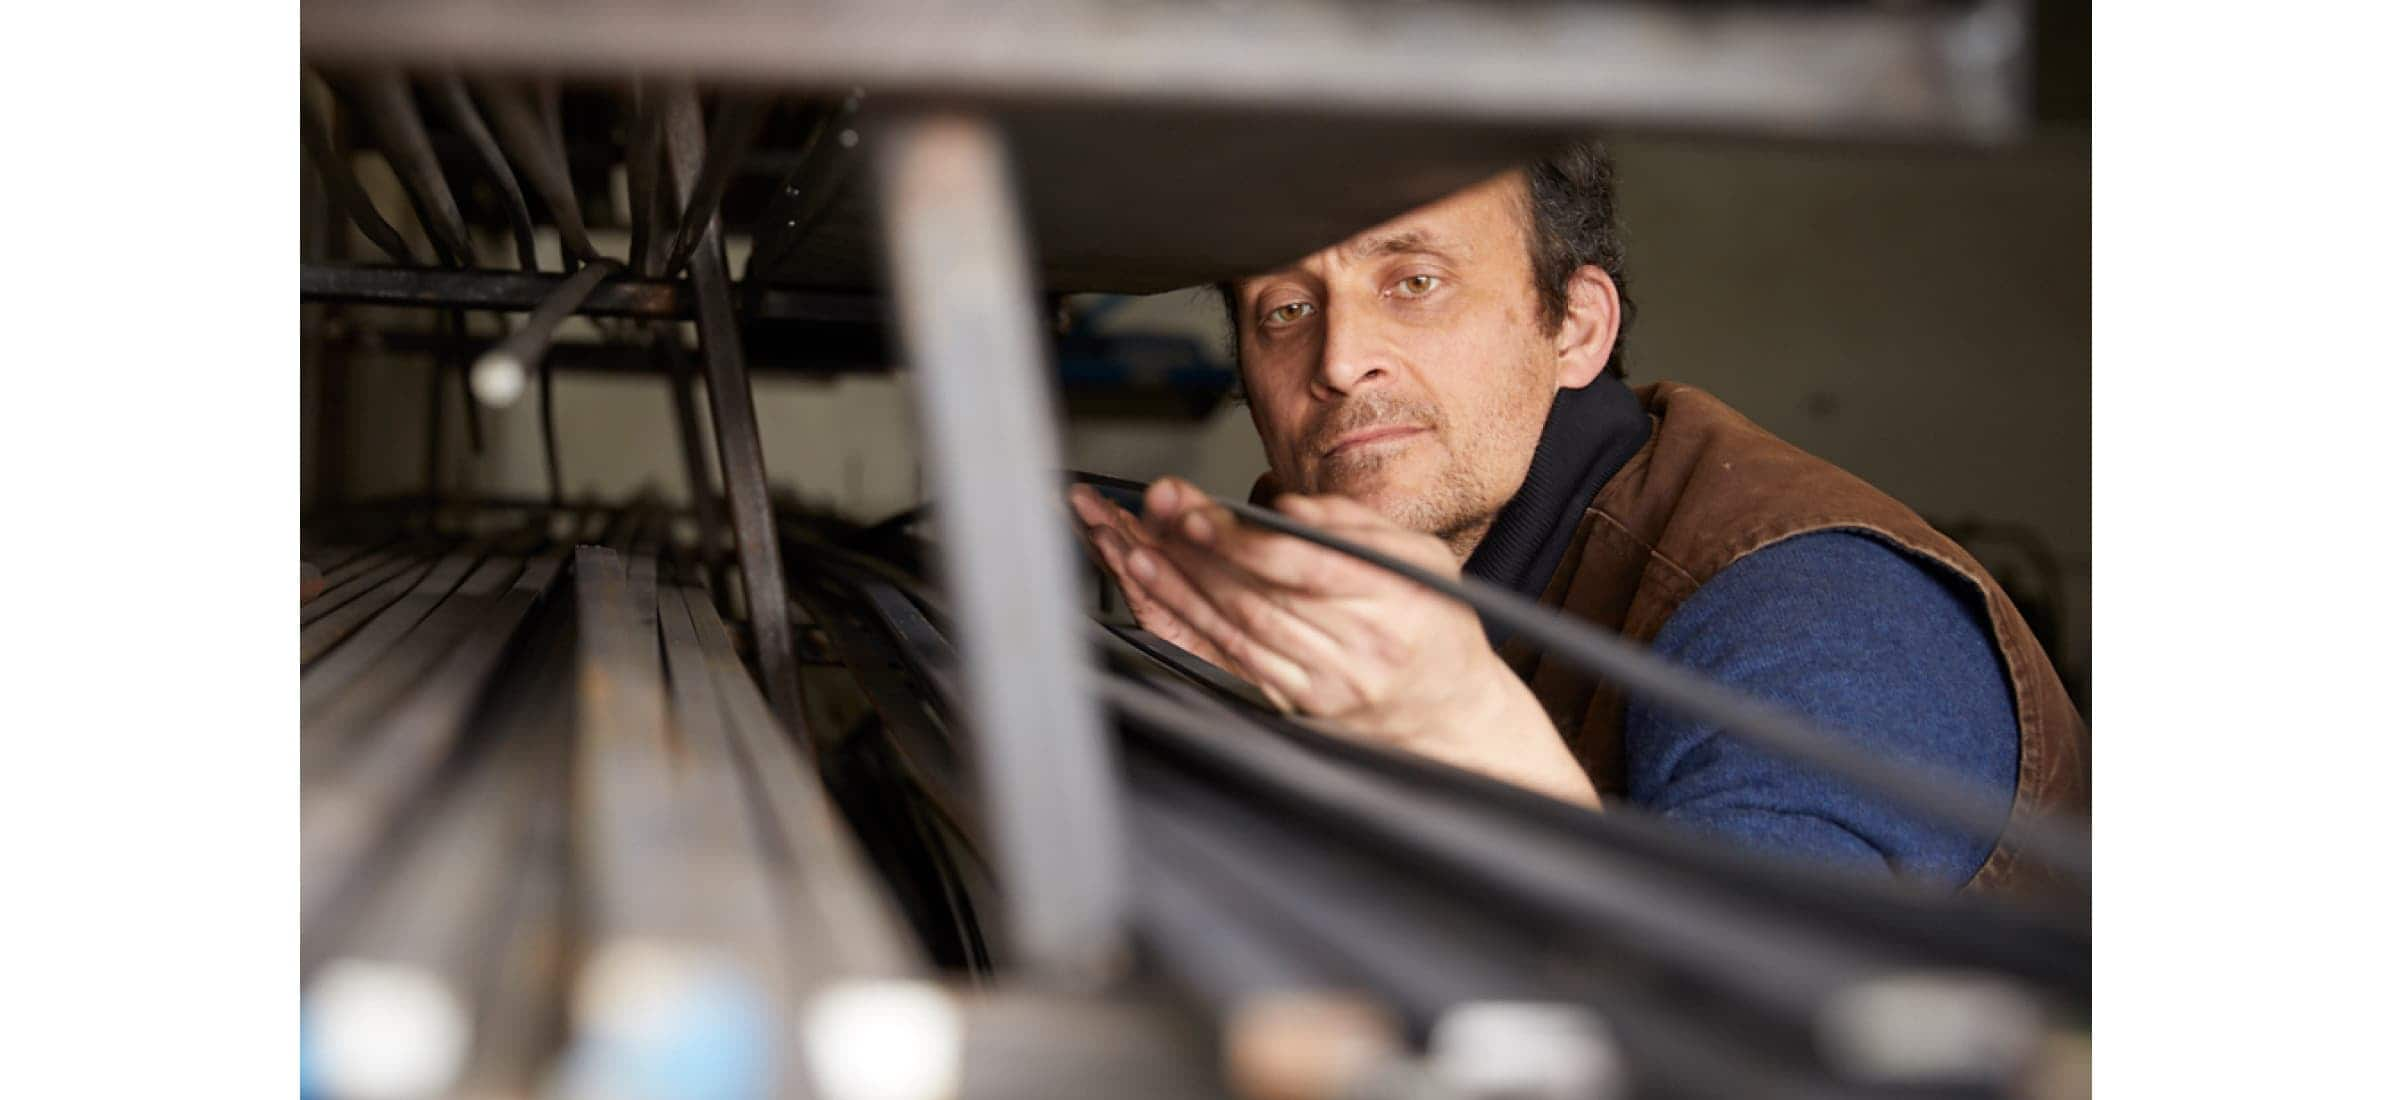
389,995
521,1007
642,176
347,809
1379,926
985,403
825,882
326,677
1791,969
1795,71
385,99
319,636
903,702
449,94
341,703
665,344
338,561
347,194
740,446
640,862
736,123
727,843
516,119
351,578
1955,930
518,292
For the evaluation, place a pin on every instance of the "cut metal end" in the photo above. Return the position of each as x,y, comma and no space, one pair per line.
1526,1050
499,379
884,1040
1932,1027
384,1032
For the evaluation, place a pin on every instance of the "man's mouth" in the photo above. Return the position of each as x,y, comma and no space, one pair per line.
1368,437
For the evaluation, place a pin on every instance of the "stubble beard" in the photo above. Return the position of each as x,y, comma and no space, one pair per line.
1452,502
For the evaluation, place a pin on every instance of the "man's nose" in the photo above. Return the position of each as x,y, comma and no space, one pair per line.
1353,355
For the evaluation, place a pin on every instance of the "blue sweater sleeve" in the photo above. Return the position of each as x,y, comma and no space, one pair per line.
1863,638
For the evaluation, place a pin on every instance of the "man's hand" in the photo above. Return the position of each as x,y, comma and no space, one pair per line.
1131,555
1326,635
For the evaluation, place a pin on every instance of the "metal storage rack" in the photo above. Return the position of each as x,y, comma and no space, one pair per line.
562,793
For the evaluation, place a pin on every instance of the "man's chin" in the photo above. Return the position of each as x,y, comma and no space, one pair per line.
1397,498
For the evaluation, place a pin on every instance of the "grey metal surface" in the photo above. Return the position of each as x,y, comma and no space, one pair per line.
741,446
1793,70
1164,145
986,409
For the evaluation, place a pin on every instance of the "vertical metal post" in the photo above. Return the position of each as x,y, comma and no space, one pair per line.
1049,783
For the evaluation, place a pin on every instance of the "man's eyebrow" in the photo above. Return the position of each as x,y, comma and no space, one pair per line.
1399,241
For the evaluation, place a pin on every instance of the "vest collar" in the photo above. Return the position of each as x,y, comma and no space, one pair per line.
1589,434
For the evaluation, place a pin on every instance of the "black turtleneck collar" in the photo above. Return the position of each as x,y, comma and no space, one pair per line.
1591,432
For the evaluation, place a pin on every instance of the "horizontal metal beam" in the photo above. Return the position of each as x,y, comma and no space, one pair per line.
1809,70
521,292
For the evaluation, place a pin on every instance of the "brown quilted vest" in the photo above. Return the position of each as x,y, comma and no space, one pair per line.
1709,487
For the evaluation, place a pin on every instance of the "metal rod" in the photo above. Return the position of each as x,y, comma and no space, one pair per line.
642,176
2044,837
448,92
1789,968
384,98
452,364
501,374
520,130
984,398
736,124
516,292
341,182
741,448
683,378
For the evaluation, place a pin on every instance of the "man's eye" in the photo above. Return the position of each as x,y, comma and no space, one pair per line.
1288,314
1417,285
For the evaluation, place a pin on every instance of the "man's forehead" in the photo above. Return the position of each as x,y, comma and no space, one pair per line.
1457,226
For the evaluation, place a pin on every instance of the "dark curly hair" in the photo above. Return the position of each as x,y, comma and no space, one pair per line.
1573,217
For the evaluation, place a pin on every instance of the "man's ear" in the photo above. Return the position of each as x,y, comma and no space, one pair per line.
1589,328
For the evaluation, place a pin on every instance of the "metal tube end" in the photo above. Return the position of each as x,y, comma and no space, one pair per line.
499,379
378,1031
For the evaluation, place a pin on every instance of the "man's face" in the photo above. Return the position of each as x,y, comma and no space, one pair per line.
1406,367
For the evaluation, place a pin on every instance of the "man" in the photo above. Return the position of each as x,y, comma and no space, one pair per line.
1448,388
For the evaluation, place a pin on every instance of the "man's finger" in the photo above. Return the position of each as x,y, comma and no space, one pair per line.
1259,663
1282,560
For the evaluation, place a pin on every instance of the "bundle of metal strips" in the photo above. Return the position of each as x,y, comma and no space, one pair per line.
554,838
1277,861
